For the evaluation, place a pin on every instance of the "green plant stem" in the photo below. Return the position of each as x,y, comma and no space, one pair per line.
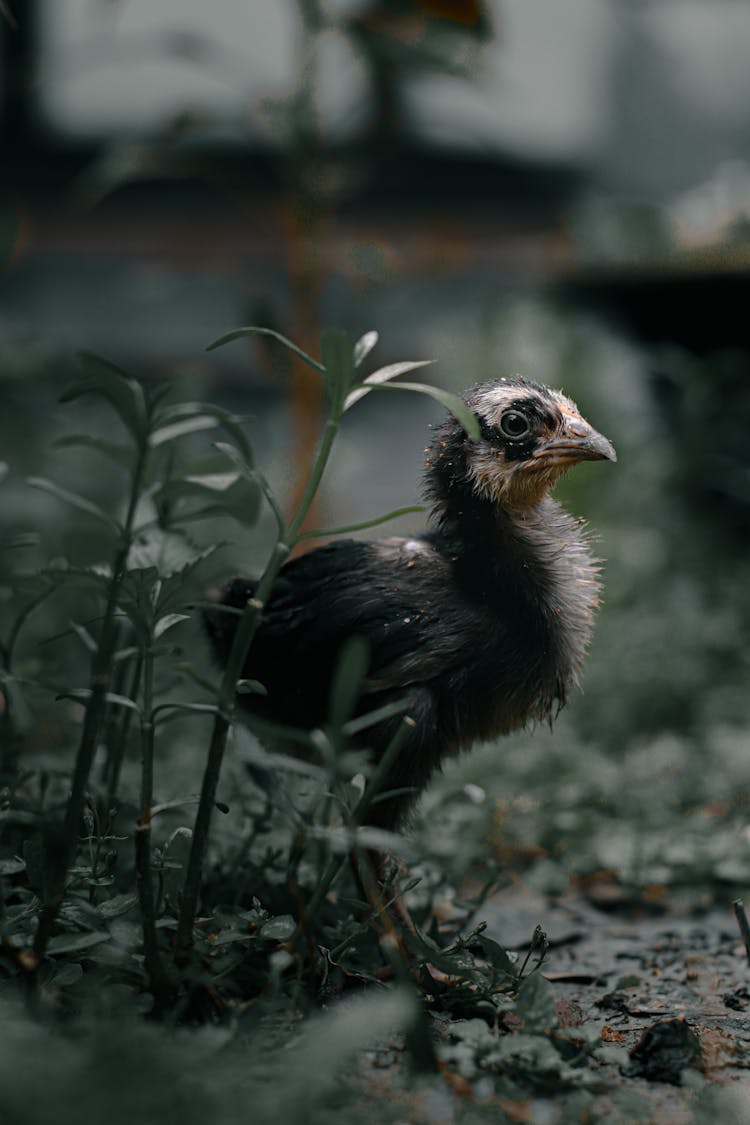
95,712
120,737
243,639
143,868
335,866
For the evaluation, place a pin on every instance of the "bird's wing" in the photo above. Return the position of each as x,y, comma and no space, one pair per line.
395,592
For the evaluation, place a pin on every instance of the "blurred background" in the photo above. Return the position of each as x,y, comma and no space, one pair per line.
499,185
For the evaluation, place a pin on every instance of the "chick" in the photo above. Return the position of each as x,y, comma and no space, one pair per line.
477,627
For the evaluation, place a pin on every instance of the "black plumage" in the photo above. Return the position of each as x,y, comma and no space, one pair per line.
479,625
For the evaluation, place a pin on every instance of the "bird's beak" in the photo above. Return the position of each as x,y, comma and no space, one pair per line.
578,441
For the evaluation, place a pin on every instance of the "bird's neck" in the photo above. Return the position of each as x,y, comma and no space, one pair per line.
536,557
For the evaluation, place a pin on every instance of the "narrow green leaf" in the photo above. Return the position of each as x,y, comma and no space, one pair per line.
252,330
341,840
320,532
364,346
166,553
536,1004
121,455
85,637
235,456
119,904
14,865
338,357
167,622
175,709
74,943
256,478
83,695
348,678
214,482
383,375
176,803
179,429
379,715
231,493
279,928
250,687
75,501
451,402
125,395
226,419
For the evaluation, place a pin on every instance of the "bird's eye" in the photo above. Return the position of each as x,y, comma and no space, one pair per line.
514,424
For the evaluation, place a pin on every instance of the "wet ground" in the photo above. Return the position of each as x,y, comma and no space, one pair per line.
668,985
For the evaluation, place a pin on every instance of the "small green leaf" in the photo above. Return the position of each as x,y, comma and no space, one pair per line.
256,478
83,695
75,943
177,803
119,904
497,956
235,456
76,501
231,493
68,973
125,395
170,555
252,330
167,622
214,482
364,346
121,455
351,668
379,715
85,637
536,1004
250,687
383,375
12,866
341,840
318,533
183,412
338,357
175,710
451,402
279,928
180,429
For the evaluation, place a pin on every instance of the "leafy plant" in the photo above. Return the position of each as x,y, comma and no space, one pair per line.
141,590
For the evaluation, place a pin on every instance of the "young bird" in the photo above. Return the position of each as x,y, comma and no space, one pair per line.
479,626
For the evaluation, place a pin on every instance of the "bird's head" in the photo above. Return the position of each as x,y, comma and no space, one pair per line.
530,435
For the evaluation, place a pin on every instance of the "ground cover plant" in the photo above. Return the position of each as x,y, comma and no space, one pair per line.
181,932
